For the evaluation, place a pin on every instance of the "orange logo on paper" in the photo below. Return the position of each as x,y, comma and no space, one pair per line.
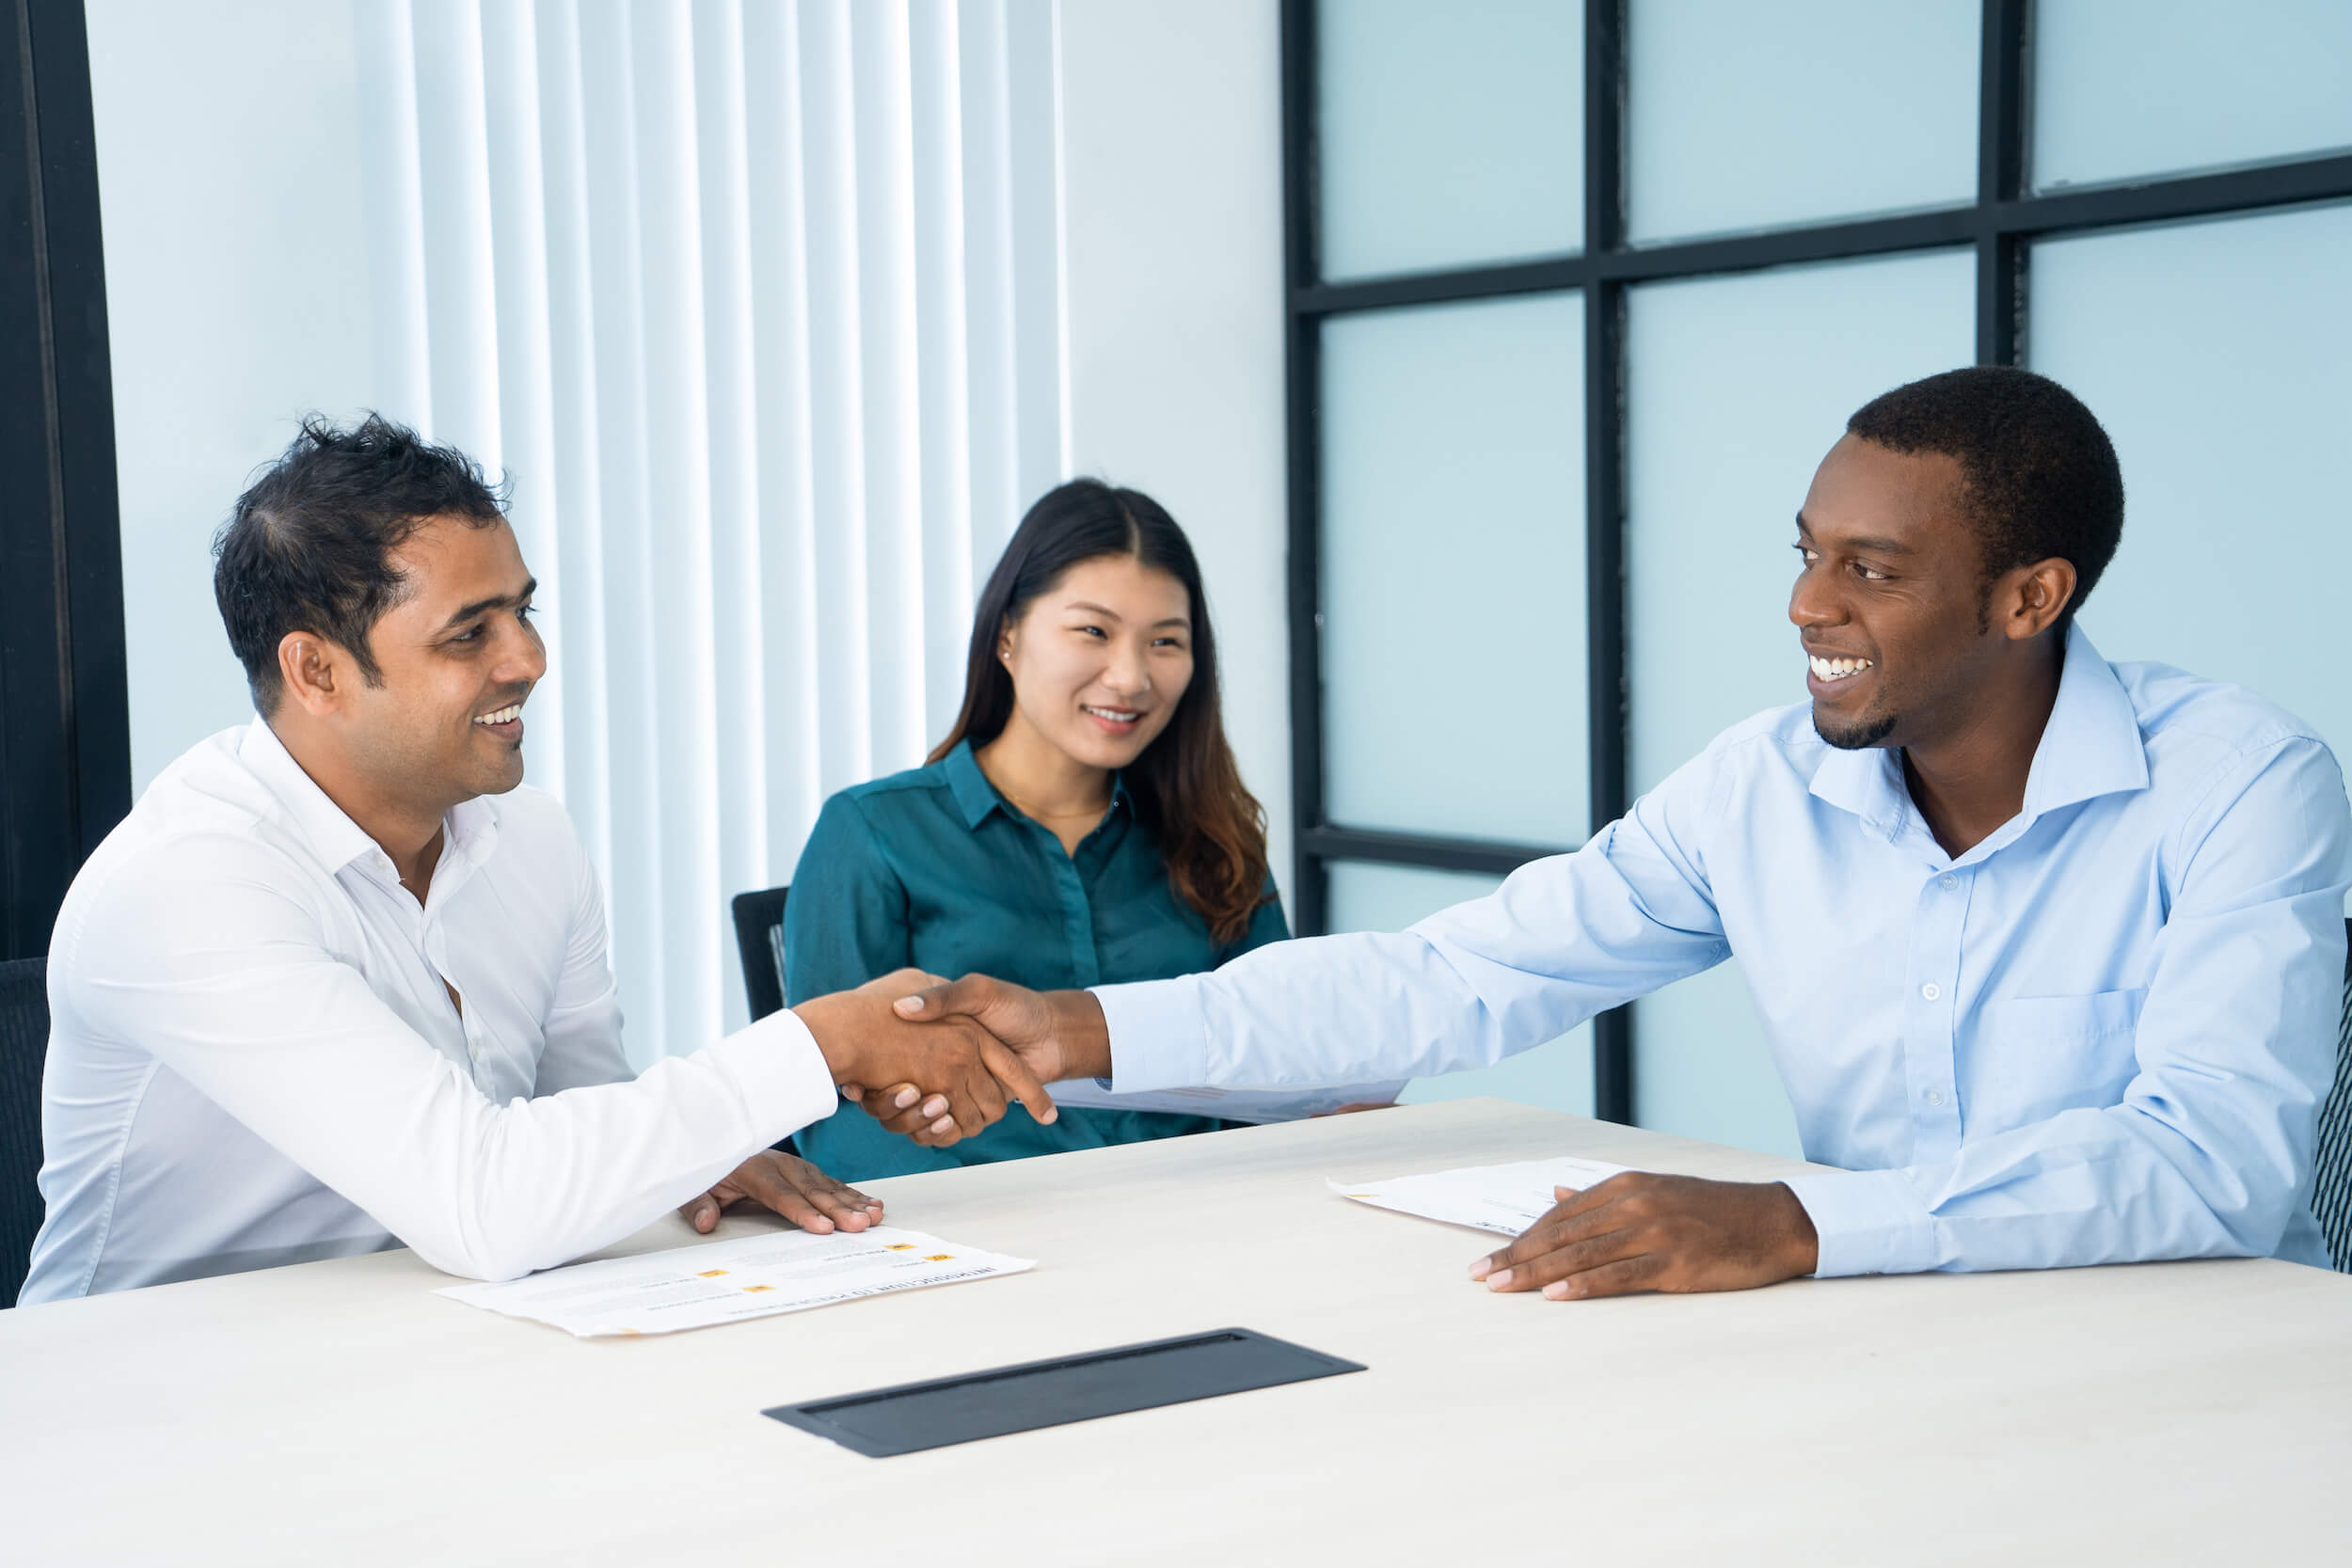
938,1257
755,1290
711,1274
900,1246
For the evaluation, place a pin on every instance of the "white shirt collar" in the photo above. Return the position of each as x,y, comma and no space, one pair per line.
469,831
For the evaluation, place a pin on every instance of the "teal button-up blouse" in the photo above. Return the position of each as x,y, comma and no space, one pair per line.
932,868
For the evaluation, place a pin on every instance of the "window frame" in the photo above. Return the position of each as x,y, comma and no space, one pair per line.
1999,226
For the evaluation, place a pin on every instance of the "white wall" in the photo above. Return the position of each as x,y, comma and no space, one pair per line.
237,299
1172,257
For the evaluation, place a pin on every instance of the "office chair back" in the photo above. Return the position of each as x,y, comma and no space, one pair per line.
23,1045
2331,1189
759,942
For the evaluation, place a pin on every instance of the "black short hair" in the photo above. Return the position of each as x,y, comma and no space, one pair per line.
309,545
2042,476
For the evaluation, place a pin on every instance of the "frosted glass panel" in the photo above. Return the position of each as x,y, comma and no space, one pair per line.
1368,898
1454,570
2218,356
1449,133
1736,388
1744,116
2125,87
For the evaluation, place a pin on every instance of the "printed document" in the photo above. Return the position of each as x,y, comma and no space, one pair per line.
723,1282
1505,1200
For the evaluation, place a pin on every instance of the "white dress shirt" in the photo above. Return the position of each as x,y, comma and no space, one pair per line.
253,1057
2101,1034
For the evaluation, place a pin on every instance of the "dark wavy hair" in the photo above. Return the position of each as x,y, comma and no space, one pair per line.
1186,788
308,546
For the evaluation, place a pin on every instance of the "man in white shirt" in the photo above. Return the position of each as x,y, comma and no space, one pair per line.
336,983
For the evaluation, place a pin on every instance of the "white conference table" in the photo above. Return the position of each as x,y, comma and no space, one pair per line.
340,1413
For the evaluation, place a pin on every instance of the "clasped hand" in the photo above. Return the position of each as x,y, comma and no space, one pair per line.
954,1055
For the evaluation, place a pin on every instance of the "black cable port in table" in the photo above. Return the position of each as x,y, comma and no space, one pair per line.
912,1416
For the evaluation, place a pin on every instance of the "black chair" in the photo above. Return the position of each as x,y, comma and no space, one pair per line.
23,1045
2331,1189
759,941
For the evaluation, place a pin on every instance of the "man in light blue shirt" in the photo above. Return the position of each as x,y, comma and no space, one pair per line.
2049,949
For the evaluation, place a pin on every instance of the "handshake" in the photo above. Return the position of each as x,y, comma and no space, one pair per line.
938,1060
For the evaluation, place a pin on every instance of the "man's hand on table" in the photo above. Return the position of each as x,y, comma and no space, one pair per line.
1056,1035
958,1063
1647,1231
793,1188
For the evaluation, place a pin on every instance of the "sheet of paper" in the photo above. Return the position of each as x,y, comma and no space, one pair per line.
723,1282
1254,1105
1505,1200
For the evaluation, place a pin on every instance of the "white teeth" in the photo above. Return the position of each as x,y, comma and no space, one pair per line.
1837,669
1115,715
503,716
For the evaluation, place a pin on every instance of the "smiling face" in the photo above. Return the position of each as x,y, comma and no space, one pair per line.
458,656
1100,659
1890,600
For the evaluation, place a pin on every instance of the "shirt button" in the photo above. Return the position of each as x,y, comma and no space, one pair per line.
1931,990
1948,881
1935,1097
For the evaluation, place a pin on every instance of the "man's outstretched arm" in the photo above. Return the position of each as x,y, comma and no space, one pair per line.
226,981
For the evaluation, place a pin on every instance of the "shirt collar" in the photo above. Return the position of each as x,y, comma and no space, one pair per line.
2091,747
468,831
334,837
975,797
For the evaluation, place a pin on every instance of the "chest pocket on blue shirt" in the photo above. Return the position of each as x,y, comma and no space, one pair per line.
2043,1054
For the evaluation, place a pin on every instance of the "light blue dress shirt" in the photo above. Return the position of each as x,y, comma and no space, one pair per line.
2101,1034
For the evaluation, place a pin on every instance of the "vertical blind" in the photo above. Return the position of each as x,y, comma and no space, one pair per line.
756,303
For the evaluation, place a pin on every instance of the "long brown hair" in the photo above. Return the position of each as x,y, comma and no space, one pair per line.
1187,789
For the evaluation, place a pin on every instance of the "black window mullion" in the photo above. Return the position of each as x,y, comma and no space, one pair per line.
1301,266
1606,699
2001,110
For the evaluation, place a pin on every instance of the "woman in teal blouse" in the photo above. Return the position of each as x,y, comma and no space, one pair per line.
1083,824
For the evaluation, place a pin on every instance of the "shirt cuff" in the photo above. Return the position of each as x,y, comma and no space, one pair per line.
1867,1222
783,1076
1157,1034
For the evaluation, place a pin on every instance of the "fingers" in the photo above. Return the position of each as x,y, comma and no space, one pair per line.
976,1099
967,996
1623,1277
762,1181
885,1105
1566,1220
703,1212
1009,1070
1571,1258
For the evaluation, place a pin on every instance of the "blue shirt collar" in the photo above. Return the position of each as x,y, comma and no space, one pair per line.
2091,747
975,797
